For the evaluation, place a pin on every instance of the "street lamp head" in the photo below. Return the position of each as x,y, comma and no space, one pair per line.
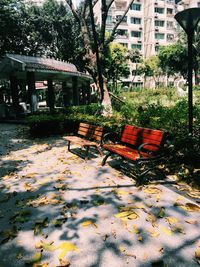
188,19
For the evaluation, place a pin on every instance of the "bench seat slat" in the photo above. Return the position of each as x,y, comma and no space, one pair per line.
125,151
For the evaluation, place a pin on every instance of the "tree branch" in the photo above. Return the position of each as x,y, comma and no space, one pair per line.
111,37
110,4
72,7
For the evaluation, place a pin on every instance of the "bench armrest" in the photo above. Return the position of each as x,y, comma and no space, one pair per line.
140,148
110,136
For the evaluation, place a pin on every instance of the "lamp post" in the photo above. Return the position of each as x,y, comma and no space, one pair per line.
188,20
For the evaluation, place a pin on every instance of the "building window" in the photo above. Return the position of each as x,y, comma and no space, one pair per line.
135,20
109,20
157,48
169,11
124,44
159,10
159,36
198,4
136,46
159,23
170,25
170,37
136,7
135,34
119,17
122,32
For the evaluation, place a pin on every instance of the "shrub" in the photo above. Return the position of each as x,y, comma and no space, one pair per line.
46,124
84,109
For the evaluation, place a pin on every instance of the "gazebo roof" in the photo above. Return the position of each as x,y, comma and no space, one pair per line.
43,68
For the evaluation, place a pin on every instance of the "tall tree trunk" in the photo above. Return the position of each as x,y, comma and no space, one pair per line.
106,102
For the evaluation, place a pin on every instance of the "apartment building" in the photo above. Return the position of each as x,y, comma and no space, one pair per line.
147,26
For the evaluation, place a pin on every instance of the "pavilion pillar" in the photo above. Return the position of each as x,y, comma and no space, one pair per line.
14,89
32,97
84,93
50,96
88,92
75,91
67,94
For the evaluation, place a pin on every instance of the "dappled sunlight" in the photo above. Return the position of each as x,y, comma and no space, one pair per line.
58,209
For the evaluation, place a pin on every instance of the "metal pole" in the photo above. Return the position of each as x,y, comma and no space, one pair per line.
190,68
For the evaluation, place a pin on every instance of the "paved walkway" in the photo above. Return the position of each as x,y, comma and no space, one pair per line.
59,210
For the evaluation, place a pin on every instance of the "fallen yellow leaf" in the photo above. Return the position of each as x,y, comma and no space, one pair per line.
65,248
152,190
191,207
197,253
152,218
171,220
127,215
153,233
36,258
166,231
86,223
122,249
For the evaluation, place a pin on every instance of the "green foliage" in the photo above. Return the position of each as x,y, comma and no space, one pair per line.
48,30
46,124
150,67
173,59
116,64
91,109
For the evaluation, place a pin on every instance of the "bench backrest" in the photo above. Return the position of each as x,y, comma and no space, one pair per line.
90,132
136,136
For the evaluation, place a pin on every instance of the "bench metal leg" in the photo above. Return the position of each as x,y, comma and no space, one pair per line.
100,151
69,142
105,158
87,152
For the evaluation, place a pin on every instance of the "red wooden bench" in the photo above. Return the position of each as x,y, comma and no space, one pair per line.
139,145
88,135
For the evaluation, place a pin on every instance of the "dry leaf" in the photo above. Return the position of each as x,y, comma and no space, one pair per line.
191,221
127,215
194,194
121,192
188,207
152,218
152,190
122,249
31,175
114,232
135,229
65,248
177,228
197,253
171,220
161,250
64,263
45,264
48,246
28,187
86,223
166,231
153,233
36,258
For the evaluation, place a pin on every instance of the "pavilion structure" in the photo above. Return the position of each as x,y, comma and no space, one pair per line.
25,71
